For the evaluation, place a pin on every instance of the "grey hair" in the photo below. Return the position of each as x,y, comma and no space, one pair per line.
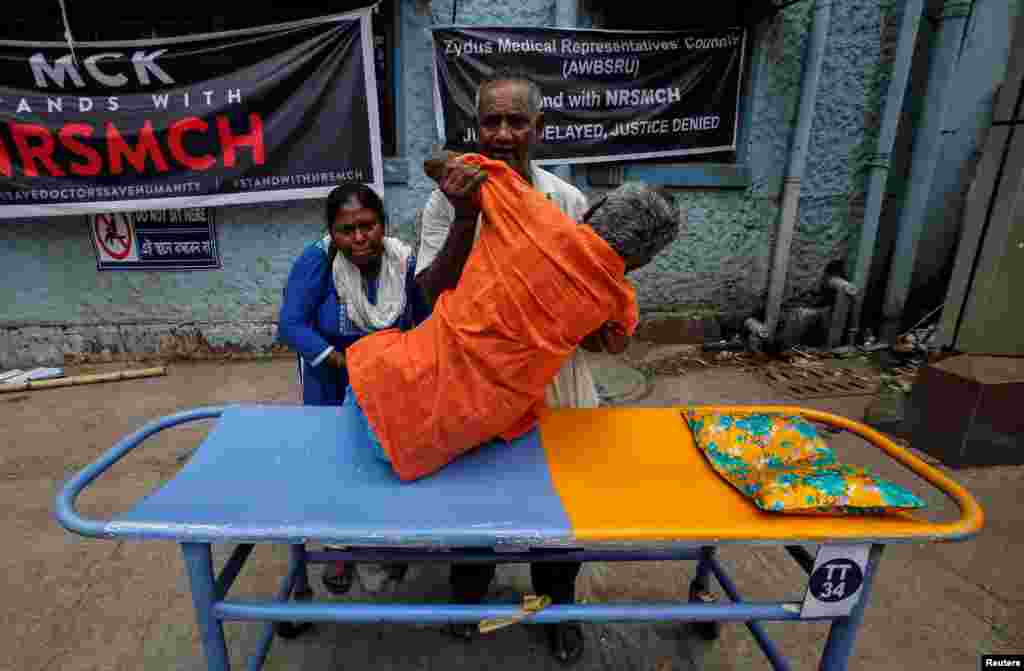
534,98
636,220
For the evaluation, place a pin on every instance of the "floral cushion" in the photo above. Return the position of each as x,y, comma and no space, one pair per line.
782,464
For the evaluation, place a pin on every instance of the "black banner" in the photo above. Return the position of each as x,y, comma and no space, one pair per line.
264,114
607,95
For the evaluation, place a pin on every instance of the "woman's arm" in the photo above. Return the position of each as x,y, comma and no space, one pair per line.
613,338
306,289
609,338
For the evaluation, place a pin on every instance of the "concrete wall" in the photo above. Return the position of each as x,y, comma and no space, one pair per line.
56,303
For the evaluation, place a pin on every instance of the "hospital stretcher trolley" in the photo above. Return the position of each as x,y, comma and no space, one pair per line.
610,484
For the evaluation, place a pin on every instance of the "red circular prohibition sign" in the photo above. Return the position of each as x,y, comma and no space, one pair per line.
110,235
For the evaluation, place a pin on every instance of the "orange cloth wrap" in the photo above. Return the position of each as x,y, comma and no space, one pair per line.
534,286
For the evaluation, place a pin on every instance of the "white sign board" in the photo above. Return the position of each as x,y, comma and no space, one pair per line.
836,581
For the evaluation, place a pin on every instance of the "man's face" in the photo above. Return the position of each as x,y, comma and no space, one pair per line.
507,130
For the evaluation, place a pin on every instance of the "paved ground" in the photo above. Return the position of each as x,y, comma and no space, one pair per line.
71,603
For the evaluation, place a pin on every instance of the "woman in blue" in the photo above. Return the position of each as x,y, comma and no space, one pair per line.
331,299
352,282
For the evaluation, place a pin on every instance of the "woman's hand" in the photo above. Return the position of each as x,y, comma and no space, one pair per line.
611,338
336,360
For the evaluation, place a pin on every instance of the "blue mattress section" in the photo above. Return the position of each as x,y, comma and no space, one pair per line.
292,474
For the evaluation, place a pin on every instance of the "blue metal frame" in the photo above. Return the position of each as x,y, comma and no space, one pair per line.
479,557
767,645
199,563
65,511
209,590
444,613
212,609
843,633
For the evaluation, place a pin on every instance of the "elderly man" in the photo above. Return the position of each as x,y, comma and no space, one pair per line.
509,123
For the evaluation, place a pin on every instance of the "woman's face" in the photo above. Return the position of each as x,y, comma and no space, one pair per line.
359,234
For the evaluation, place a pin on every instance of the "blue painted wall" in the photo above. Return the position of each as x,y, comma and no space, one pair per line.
56,303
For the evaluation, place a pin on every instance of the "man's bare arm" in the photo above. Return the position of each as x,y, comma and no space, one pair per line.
460,183
445,270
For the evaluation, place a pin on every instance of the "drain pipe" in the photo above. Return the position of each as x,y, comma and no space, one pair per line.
927,150
879,173
794,172
566,16
566,13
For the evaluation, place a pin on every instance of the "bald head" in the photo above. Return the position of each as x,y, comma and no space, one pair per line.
516,76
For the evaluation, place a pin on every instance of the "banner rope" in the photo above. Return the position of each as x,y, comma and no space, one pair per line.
67,32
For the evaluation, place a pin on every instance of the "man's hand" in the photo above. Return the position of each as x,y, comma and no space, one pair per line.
459,182
336,360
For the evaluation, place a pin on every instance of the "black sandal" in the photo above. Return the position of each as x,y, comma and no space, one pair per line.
337,581
566,642
291,630
397,572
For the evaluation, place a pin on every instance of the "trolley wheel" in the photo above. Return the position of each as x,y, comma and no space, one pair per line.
295,629
708,631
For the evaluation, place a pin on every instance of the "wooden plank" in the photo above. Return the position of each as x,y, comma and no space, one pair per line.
1006,98
992,322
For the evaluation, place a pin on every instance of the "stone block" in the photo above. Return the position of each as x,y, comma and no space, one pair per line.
87,340
36,346
244,336
6,351
669,328
966,411
145,339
